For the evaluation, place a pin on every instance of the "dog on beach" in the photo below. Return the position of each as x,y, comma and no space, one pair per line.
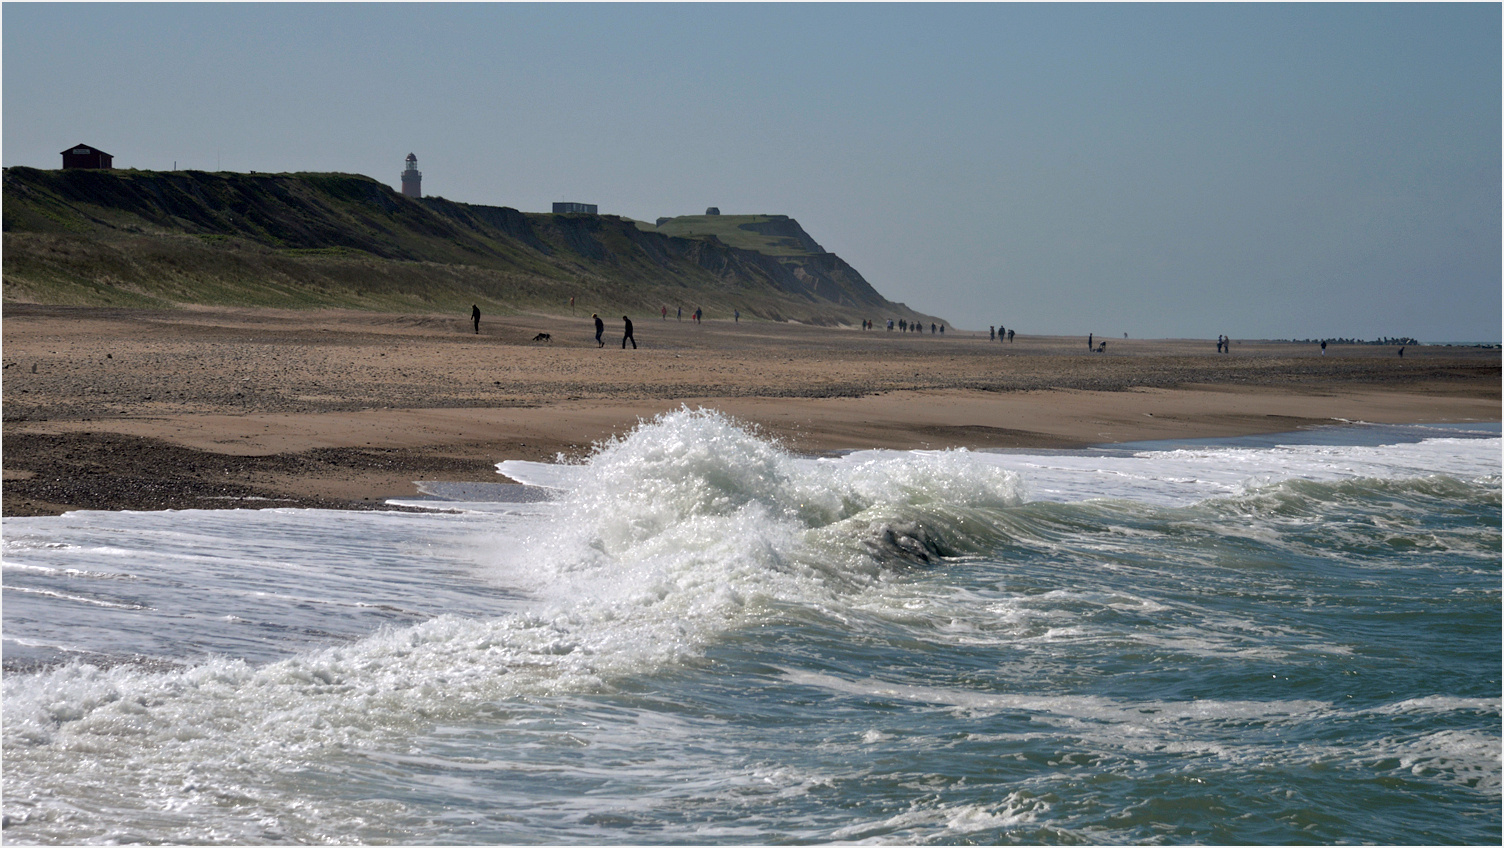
543,337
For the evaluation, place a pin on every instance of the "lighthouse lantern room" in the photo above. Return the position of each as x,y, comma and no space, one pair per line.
412,178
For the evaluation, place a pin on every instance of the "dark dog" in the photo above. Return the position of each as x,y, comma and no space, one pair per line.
543,337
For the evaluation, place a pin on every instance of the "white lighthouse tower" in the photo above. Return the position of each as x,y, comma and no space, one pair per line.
412,178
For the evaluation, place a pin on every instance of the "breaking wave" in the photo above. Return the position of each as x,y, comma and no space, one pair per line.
670,541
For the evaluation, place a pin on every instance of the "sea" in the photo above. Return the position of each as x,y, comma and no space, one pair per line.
695,636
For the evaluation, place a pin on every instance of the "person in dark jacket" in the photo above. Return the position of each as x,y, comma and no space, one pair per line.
475,317
628,336
600,327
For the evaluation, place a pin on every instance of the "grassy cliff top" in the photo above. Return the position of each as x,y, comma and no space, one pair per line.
142,238
773,235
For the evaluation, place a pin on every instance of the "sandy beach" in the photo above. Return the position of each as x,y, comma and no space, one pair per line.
130,409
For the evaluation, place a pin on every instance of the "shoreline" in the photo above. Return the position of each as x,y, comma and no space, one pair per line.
242,408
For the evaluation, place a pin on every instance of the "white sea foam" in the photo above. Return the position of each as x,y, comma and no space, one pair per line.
1014,810
668,538
1173,478
1104,726
75,598
666,543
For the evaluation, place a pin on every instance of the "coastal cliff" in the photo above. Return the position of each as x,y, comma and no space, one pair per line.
165,239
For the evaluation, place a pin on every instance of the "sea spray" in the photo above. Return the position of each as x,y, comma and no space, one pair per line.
1231,644
690,524
677,484
668,539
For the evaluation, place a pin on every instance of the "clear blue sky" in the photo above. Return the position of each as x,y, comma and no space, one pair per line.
1264,171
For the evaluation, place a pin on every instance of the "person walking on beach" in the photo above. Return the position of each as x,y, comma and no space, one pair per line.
1323,347
1088,342
697,314
1010,337
628,336
600,327
736,316
475,317
665,313
680,316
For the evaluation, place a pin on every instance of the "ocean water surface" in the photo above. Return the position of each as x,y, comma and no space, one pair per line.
697,637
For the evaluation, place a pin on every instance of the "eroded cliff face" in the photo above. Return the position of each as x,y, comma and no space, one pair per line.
807,268
114,236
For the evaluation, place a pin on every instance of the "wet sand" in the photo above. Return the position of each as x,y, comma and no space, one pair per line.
129,409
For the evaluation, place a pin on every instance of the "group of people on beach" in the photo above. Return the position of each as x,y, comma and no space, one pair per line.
994,333
695,316
902,324
906,326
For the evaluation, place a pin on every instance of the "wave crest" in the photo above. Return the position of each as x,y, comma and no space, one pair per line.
695,480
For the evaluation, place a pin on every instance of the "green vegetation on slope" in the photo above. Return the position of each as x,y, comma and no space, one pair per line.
774,235
140,238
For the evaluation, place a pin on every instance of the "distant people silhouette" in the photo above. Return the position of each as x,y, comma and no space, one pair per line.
475,317
600,327
628,337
